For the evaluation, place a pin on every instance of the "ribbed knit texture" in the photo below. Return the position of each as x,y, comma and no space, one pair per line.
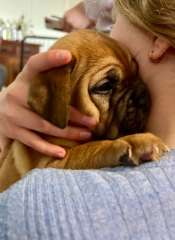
118,204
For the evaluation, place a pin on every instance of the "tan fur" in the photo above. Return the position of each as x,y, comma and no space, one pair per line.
120,109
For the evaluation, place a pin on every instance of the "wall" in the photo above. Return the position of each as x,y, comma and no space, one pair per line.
34,11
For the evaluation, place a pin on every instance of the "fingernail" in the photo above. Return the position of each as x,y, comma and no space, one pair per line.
63,55
61,153
85,135
89,121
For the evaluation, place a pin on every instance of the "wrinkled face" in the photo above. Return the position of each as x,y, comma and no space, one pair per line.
101,82
123,107
111,92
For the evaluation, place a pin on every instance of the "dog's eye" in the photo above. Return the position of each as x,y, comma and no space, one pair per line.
104,87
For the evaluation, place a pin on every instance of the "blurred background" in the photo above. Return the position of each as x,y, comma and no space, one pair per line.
24,32
34,12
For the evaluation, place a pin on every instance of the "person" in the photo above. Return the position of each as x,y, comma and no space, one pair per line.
147,29
123,203
89,14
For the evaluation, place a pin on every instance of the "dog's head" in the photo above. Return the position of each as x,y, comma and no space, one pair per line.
101,81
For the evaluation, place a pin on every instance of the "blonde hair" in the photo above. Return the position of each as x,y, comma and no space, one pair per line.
156,16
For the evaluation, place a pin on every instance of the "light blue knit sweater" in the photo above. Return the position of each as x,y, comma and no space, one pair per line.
119,204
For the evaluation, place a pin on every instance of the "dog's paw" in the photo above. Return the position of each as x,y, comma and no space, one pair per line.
140,148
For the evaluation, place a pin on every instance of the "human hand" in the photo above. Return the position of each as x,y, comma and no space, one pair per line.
75,18
17,121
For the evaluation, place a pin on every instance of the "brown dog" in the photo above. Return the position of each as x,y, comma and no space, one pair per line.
101,81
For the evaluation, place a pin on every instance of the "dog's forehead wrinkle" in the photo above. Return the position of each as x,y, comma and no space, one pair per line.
84,45
112,74
88,41
95,69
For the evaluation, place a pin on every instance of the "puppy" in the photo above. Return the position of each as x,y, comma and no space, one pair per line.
101,81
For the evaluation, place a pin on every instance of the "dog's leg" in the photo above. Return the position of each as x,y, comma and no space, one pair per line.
129,150
143,147
92,155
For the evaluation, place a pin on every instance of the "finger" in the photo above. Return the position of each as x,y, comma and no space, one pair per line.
38,124
45,61
37,143
81,119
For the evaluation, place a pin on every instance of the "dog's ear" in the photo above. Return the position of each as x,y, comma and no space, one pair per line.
50,95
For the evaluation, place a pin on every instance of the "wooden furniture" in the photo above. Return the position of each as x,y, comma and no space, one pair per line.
10,55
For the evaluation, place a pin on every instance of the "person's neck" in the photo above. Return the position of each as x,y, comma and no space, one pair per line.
161,121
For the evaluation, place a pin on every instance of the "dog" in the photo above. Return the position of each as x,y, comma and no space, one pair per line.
101,81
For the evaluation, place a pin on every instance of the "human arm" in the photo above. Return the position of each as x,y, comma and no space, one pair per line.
121,203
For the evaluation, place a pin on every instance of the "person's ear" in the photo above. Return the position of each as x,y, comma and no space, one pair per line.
158,49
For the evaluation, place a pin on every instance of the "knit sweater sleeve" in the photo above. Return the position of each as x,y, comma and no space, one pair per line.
121,203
